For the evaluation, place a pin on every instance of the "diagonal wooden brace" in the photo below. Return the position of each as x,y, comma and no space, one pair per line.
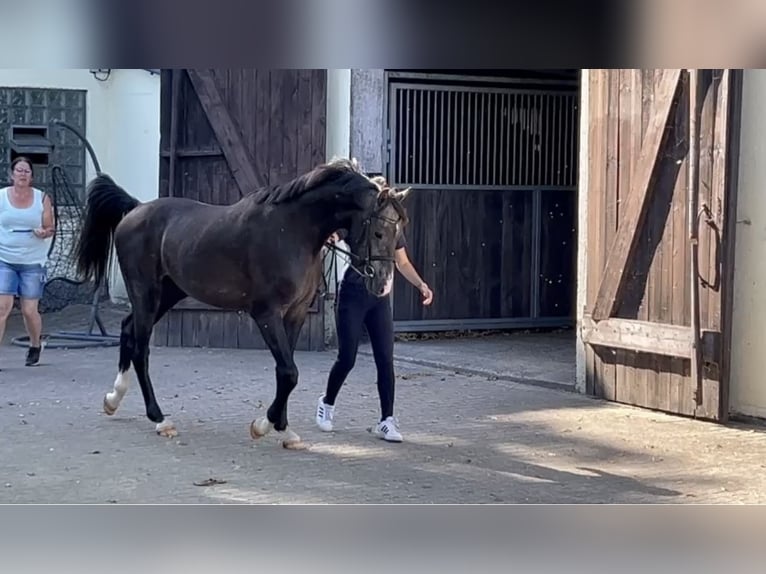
246,174
635,206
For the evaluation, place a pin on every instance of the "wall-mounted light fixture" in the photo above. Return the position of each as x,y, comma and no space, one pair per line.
101,74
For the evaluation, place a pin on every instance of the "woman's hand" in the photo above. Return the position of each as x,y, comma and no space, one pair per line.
426,292
42,233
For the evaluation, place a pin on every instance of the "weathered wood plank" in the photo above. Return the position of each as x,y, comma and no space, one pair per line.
597,138
184,153
304,141
612,372
318,115
276,127
241,164
231,322
648,337
630,379
262,113
634,211
692,191
175,330
192,304
160,333
729,140
175,99
482,272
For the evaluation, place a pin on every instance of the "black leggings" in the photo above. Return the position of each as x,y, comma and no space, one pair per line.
357,307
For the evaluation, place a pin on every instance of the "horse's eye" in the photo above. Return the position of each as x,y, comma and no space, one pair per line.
379,235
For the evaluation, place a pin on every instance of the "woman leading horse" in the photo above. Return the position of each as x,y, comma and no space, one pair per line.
172,248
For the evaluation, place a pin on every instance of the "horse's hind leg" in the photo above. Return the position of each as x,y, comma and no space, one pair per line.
134,348
113,399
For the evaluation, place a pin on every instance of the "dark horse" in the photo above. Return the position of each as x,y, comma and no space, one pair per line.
262,255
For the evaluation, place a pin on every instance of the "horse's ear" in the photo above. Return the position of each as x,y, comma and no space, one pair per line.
402,195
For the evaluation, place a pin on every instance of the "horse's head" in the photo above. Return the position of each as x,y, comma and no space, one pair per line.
374,235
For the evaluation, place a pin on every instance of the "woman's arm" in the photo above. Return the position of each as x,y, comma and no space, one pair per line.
408,271
48,227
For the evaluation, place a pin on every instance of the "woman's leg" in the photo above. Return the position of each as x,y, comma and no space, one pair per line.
6,306
349,318
381,329
32,320
9,285
31,290
380,326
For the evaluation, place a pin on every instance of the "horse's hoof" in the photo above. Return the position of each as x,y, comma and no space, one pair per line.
109,409
260,428
166,429
291,440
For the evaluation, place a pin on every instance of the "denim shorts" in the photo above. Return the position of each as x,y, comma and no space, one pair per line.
23,280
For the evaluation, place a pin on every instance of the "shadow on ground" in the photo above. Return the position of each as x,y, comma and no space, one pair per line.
469,439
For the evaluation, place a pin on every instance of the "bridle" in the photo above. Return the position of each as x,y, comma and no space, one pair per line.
362,264
365,262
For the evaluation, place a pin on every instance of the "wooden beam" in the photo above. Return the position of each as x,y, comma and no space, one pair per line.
635,206
726,160
188,153
175,88
247,175
692,190
647,337
192,304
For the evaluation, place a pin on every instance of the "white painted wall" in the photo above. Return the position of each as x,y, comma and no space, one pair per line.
338,140
748,362
122,125
338,112
582,226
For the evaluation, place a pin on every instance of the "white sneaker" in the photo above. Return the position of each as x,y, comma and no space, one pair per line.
388,430
324,415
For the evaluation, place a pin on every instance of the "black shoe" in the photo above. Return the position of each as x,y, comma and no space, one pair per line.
33,356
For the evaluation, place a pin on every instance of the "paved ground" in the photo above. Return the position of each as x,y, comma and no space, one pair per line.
469,438
546,359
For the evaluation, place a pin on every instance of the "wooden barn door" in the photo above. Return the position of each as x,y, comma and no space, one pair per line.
655,322
224,133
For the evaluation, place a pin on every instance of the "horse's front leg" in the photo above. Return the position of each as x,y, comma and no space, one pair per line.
274,334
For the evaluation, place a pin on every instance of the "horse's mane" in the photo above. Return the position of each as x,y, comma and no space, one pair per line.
340,171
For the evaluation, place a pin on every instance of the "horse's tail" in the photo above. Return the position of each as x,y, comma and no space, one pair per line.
105,207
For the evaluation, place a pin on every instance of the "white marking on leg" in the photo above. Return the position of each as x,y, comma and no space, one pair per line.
261,427
166,428
289,438
113,399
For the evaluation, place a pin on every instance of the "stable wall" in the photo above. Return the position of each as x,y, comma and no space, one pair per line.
748,359
122,125
582,229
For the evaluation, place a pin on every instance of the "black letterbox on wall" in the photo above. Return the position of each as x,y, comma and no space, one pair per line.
32,142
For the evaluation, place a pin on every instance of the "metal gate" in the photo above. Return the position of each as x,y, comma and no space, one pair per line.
494,170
